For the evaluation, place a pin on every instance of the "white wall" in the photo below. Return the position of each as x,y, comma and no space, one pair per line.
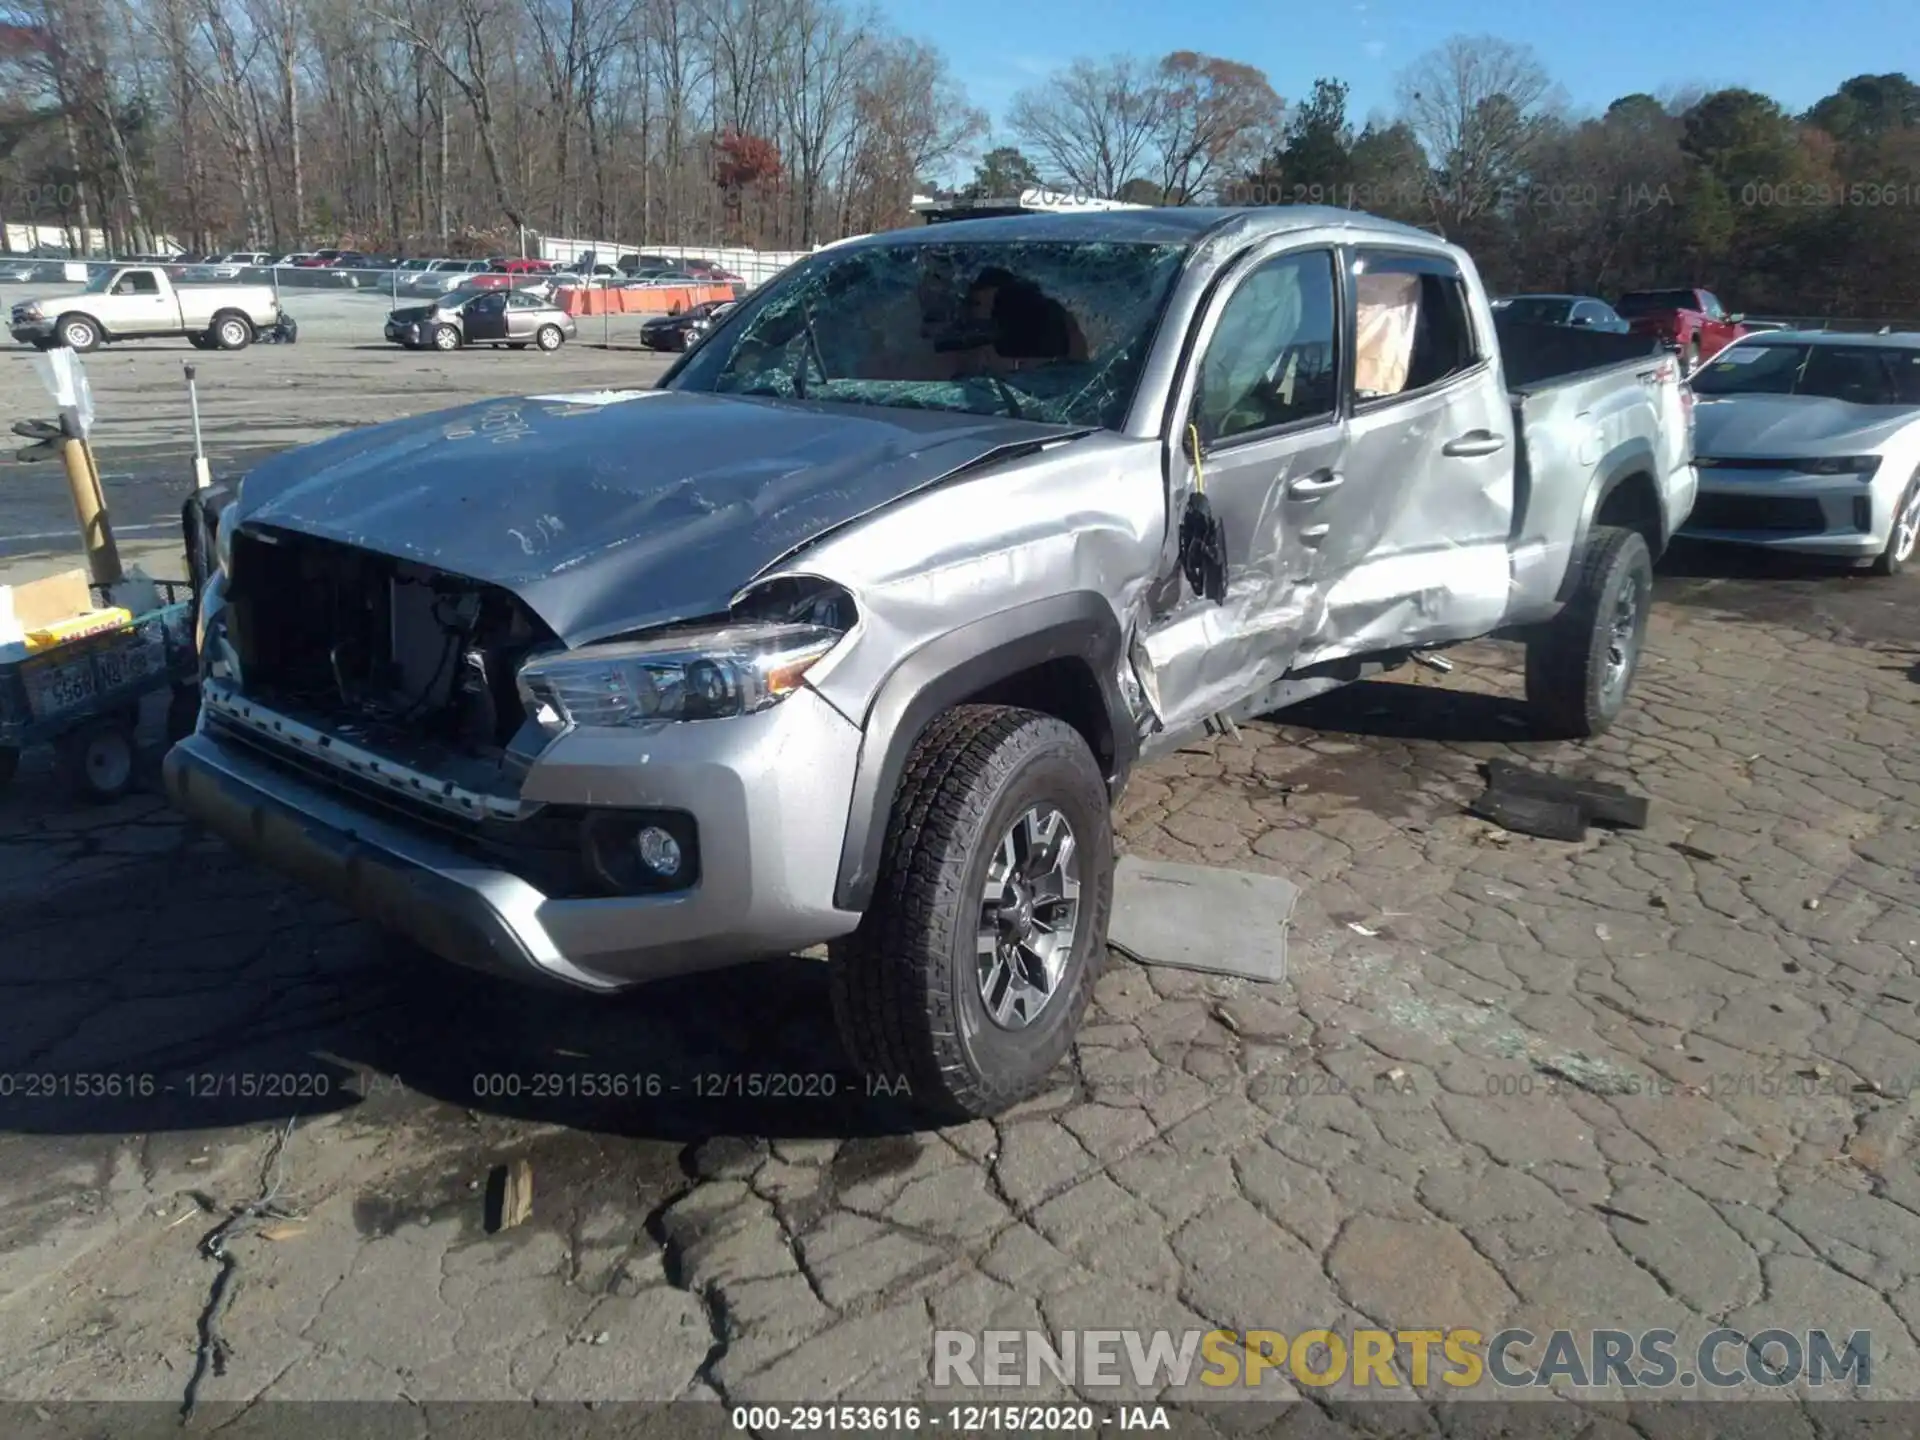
751,265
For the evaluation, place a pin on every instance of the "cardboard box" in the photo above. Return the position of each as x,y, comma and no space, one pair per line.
41,603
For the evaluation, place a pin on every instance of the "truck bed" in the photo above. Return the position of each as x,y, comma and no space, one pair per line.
1534,356
1585,404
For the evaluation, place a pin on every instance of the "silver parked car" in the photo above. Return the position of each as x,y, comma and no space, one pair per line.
853,629
514,318
1809,441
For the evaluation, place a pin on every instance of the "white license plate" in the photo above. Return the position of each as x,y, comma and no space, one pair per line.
59,688
126,663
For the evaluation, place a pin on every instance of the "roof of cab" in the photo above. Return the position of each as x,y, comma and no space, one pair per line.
1169,225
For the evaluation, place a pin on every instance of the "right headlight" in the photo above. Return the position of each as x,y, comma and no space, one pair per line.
692,675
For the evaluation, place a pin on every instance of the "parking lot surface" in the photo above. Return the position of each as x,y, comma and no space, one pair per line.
1664,1078
341,373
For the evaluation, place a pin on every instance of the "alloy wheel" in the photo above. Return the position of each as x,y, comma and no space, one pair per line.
1029,917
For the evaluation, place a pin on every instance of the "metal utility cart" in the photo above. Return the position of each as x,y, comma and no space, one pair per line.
83,696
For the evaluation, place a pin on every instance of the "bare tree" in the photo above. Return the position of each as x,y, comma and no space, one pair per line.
1092,126
1478,105
1217,118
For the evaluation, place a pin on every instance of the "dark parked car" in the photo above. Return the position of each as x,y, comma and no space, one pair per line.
481,317
1580,310
677,332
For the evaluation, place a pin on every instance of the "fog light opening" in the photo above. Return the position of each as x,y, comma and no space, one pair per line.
658,851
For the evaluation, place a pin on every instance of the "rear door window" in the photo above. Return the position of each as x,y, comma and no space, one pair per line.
1413,328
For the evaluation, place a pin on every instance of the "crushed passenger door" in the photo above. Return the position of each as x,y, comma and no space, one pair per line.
1263,437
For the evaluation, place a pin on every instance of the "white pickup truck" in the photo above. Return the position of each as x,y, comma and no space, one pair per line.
140,302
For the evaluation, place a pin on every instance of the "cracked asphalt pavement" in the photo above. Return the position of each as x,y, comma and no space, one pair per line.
1664,1078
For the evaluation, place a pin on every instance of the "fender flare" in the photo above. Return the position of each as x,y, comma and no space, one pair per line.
1634,458
1078,626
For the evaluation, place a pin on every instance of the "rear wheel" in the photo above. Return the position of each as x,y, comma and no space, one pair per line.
1906,532
200,342
1581,664
96,761
232,332
972,968
549,337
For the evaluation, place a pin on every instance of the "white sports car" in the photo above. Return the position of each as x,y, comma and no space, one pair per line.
1810,442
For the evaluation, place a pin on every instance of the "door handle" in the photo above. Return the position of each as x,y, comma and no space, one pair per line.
1314,534
1475,442
1309,487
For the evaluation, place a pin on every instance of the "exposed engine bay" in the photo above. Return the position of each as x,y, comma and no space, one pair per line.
388,650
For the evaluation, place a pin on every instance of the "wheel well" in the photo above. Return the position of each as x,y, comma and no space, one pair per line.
1634,504
231,314
1065,689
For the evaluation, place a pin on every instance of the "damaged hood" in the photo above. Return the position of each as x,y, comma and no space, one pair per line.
1792,426
612,512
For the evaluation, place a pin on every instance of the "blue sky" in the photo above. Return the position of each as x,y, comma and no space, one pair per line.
1795,50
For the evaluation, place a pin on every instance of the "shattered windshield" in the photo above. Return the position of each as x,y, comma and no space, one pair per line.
1042,330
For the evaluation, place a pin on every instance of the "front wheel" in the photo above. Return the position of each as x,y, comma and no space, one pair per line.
1906,532
77,332
549,337
1581,664
445,337
972,968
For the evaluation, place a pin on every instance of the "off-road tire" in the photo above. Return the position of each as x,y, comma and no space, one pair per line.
1890,561
904,986
231,332
1568,658
78,332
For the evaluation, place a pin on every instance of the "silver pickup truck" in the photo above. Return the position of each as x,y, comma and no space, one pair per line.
852,630
141,302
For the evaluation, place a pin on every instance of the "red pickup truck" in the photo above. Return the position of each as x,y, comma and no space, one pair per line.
1694,320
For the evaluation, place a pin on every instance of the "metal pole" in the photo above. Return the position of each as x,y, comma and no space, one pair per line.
202,472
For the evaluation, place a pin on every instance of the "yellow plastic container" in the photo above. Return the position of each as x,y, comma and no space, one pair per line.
78,627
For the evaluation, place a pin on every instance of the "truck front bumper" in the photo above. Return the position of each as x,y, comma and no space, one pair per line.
769,794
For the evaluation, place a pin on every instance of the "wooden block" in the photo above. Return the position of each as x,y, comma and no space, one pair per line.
509,1196
1606,803
1531,815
